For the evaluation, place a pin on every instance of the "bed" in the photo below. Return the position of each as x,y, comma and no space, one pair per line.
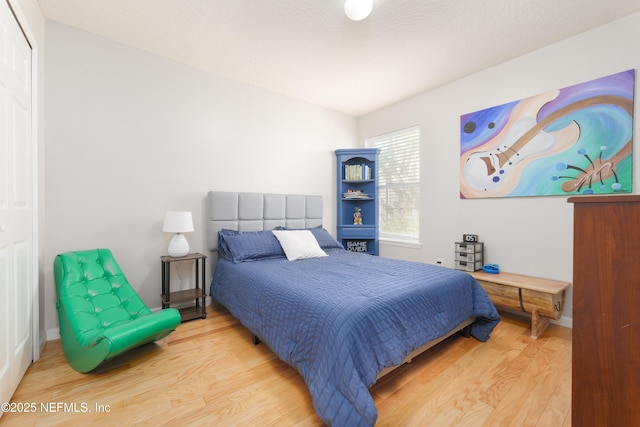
340,318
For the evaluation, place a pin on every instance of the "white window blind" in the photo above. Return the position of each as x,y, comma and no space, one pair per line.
399,183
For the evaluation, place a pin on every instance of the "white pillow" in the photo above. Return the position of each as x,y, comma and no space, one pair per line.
299,244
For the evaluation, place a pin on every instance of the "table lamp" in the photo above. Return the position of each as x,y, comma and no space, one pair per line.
178,223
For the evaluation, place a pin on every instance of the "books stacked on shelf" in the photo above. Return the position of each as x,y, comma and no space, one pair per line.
355,194
357,172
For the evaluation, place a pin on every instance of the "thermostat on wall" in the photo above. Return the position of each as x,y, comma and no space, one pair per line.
469,237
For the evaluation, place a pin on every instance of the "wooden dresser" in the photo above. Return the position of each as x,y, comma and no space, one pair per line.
606,311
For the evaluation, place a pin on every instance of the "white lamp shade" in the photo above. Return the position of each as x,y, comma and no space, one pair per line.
177,222
357,10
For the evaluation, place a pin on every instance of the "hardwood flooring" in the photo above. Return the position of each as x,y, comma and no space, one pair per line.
208,373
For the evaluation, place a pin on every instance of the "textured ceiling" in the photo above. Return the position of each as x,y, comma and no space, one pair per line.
309,50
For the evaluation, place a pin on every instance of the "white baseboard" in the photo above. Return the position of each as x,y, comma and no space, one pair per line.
53,334
562,321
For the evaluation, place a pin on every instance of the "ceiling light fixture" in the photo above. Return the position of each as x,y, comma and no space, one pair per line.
357,10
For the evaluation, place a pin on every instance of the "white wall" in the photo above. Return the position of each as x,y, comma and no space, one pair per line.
131,135
524,235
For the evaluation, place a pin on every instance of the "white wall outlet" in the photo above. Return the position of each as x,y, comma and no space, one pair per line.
439,261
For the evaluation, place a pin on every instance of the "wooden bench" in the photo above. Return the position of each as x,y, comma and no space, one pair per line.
542,298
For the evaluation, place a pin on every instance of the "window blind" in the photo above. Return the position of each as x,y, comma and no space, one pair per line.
399,183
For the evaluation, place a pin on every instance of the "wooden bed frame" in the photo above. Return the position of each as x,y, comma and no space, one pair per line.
265,211
465,327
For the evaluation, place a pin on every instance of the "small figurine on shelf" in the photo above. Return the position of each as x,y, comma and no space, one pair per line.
357,216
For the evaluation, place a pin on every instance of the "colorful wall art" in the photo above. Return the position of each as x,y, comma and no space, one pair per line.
576,140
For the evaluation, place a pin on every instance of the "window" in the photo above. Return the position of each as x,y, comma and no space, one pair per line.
399,183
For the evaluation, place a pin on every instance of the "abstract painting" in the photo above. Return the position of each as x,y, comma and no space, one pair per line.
575,140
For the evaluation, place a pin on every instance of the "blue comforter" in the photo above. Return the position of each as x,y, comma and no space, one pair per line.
339,320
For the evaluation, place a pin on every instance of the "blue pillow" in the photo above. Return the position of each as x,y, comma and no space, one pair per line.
325,240
223,248
241,246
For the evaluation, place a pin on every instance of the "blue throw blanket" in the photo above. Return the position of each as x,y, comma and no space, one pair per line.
339,320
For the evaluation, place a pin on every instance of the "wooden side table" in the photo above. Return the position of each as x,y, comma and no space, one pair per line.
542,298
196,295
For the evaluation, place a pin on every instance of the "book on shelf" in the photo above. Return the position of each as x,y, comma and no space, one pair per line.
355,194
359,172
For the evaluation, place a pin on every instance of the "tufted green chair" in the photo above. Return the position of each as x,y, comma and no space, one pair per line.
101,316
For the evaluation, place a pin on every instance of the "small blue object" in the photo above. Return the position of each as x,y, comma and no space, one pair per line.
491,268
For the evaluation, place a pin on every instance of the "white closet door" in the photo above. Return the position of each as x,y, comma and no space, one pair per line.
16,205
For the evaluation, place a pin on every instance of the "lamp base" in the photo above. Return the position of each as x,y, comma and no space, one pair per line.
178,246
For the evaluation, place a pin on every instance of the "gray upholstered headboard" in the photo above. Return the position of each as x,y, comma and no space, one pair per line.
258,211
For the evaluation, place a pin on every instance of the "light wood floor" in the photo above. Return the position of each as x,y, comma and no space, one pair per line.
207,373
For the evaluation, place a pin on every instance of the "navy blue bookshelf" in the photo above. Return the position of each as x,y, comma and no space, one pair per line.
357,194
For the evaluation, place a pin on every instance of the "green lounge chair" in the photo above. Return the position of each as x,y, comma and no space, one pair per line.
101,316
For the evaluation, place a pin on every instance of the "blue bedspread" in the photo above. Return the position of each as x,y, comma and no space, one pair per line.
339,320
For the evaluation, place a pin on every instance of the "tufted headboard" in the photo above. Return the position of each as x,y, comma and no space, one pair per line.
258,211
